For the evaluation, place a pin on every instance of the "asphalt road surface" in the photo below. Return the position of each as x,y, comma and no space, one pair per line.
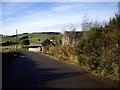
32,70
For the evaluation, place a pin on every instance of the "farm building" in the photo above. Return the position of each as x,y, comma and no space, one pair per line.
45,42
40,45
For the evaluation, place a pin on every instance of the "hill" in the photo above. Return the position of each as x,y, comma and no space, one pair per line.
33,37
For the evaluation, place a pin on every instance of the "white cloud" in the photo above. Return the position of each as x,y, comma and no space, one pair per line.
37,22
64,7
47,20
60,0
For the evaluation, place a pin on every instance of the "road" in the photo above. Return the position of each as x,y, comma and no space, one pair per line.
32,70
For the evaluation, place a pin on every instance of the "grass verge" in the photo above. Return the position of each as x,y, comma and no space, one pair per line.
8,57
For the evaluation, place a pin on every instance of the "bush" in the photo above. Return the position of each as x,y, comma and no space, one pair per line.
25,42
46,49
99,50
64,53
25,47
8,57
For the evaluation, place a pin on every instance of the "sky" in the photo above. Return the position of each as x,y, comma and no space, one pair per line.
51,16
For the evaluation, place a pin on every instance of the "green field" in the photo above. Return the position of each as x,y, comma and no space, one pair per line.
33,37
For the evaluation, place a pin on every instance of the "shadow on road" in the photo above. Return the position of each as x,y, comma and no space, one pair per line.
33,71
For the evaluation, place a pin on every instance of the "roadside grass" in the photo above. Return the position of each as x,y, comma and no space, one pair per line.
9,47
60,60
62,53
8,55
24,48
59,55
68,55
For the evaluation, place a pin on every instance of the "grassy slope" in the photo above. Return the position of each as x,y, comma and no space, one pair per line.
8,39
33,39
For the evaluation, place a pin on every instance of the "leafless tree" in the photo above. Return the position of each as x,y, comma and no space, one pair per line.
70,32
85,24
88,24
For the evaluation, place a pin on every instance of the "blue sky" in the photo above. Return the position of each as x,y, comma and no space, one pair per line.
51,16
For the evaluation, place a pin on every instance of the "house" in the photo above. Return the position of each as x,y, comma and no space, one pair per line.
40,45
69,37
47,42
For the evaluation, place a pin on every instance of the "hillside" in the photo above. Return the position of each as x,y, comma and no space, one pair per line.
33,37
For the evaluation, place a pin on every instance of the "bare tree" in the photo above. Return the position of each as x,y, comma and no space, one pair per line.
72,27
70,33
85,24
88,24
